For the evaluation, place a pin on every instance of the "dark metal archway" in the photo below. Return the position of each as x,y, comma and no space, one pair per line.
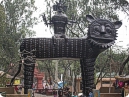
86,49
101,35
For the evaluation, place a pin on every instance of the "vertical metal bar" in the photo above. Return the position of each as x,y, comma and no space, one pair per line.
110,72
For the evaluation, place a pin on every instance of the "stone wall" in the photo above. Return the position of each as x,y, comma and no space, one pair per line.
16,95
8,90
111,90
110,94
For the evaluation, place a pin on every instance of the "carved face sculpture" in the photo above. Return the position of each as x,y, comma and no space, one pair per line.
102,32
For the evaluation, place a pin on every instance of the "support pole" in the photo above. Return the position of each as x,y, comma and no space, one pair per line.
56,76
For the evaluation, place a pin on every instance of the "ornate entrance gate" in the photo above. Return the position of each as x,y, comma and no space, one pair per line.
101,35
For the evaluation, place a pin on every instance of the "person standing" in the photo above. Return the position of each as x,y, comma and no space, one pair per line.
74,94
90,93
67,92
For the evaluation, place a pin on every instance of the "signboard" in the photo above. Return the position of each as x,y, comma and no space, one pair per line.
16,81
96,93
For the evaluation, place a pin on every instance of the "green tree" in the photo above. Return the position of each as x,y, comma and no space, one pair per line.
76,70
48,67
17,25
110,61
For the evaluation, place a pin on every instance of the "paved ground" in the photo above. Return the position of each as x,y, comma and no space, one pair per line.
40,95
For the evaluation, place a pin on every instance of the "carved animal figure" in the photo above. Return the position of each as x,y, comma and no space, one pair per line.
101,35
102,32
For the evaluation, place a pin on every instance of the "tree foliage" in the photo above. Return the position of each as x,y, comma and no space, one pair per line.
17,22
113,57
78,9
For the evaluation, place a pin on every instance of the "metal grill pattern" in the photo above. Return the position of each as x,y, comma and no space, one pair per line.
44,47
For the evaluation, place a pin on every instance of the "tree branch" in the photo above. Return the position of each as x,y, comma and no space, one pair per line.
81,29
72,32
123,65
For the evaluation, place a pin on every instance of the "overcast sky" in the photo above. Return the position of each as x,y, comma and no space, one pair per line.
43,31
